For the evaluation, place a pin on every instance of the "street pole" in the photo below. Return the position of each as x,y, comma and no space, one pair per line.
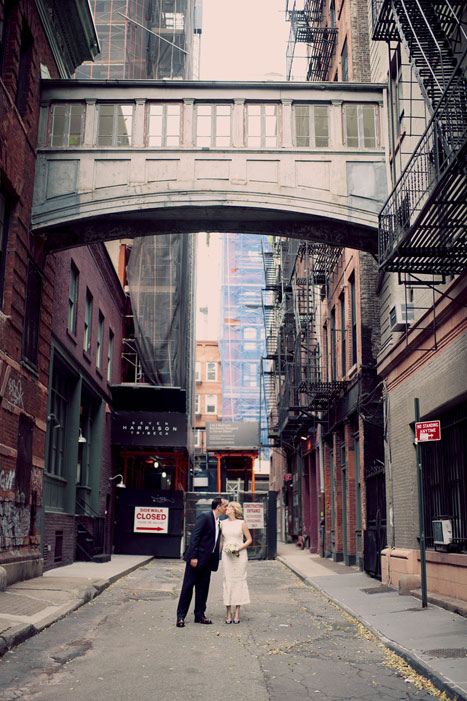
421,509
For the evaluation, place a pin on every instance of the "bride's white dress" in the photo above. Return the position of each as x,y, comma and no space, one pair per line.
234,568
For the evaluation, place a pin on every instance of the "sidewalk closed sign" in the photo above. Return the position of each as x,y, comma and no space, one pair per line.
428,431
254,515
151,519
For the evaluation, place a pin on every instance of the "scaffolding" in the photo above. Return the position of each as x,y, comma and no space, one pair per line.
422,224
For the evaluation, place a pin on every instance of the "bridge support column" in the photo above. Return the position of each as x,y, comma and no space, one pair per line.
188,118
237,122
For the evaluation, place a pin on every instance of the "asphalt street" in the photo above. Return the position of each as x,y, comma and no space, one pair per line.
291,644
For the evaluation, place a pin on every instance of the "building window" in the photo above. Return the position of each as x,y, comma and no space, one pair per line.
397,112
164,125
333,346
326,351
56,423
213,125
3,242
24,70
32,314
345,62
87,322
262,125
73,299
67,124
211,404
343,344
115,125
353,318
332,13
100,340
360,126
311,126
211,372
197,438
197,404
197,371
110,354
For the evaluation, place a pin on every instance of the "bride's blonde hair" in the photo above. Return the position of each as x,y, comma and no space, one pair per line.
237,508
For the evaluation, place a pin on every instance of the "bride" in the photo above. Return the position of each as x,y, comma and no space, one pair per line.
235,539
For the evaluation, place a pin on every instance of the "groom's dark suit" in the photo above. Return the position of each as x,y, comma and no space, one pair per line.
204,547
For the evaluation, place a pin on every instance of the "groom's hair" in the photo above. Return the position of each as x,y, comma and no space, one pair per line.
215,503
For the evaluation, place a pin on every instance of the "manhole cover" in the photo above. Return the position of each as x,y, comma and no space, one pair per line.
377,590
447,652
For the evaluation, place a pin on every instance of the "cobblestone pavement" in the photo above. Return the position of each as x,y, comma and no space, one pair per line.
291,644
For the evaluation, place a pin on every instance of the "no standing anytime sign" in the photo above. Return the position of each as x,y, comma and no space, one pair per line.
427,431
151,519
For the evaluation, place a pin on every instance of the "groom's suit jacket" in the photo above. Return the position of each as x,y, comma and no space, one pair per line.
202,539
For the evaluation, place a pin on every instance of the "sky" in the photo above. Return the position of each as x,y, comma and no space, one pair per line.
243,40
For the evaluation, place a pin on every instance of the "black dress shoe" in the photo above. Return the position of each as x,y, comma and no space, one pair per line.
204,620
180,623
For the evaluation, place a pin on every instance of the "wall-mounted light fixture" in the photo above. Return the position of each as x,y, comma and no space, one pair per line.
81,438
120,484
54,421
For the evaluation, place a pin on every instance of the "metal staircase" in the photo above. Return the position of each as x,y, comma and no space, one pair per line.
422,224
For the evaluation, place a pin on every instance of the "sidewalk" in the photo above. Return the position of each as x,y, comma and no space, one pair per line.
30,606
432,640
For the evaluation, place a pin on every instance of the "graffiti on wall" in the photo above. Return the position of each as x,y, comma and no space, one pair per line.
14,524
7,478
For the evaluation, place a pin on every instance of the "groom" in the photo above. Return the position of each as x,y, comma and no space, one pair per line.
202,558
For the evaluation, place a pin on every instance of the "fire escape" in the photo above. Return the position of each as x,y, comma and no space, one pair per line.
422,224
306,27
297,393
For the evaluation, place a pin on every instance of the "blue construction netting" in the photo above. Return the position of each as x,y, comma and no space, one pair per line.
241,336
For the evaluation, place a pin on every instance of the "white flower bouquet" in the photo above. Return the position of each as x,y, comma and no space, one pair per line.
232,549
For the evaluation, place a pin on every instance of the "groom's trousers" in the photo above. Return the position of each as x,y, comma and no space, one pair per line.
197,578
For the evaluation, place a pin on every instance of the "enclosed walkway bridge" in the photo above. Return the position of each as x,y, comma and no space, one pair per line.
119,159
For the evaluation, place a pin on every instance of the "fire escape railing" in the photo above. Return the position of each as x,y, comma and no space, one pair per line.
422,224
305,29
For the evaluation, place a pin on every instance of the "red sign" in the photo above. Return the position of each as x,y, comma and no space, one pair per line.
287,477
150,519
427,431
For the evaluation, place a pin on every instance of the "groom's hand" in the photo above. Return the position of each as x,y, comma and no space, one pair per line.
194,563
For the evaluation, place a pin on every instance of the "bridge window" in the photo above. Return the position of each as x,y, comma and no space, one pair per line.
67,123
213,125
115,125
262,125
311,125
360,124
164,124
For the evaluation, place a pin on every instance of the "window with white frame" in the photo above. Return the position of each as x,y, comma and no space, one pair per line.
311,126
164,124
250,374
211,404
114,125
73,299
211,372
262,125
110,353
197,404
197,371
213,125
66,124
360,126
87,322
197,438
100,340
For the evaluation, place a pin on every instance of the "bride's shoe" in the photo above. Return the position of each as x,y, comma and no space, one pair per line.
236,622
228,622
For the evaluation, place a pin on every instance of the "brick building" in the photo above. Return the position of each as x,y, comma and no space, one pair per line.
38,40
208,407
78,496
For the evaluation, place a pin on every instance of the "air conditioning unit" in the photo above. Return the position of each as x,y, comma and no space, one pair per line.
442,531
401,315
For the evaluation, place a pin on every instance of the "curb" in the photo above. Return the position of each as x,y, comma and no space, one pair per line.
437,680
24,631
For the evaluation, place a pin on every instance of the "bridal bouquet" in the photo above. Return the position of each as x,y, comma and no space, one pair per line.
232,549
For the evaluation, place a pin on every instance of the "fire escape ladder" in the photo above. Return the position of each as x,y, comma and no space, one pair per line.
305,28
422,224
